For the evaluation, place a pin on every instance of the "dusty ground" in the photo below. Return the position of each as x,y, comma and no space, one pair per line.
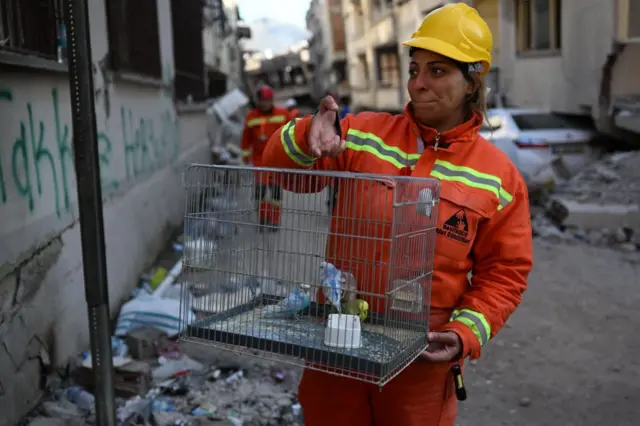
571,350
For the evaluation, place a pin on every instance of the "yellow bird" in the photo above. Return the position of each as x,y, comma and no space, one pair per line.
356,307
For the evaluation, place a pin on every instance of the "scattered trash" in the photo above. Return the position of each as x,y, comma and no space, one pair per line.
156,383
149,310
82,399
235,377
175,367
169,350
205,410
143,342
61,409
161,405
135,410
278,376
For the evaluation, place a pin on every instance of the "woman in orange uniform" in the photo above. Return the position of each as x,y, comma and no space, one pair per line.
483,219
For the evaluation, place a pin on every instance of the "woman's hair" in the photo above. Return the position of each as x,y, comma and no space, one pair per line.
476,101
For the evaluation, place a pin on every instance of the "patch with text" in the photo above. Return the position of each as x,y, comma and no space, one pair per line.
456,227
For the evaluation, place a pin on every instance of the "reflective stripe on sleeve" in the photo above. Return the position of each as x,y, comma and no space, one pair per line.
287,138
475,321
445,170
368,142
246,152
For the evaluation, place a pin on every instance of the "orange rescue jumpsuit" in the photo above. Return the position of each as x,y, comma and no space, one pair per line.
258,128
483,227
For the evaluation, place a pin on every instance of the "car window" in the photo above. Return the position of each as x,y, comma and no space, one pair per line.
492,123
535,121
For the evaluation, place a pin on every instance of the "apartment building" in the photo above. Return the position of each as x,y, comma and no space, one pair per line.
223,30
289,72
327,48
574,56
150,102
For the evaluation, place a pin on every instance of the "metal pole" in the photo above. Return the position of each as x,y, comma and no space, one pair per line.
85,149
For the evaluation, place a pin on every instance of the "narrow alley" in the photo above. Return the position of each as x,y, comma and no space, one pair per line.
208,249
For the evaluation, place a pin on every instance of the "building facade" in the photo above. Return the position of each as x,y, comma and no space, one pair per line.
327,48
575,57
147,133
289,73
222,35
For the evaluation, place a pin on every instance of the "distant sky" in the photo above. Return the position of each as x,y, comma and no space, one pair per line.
290,11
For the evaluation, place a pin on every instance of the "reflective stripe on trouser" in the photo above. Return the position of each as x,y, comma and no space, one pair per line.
291,148
357,140
445,170
475,321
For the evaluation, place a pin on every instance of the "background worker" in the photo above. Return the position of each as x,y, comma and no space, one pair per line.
260,124
483,219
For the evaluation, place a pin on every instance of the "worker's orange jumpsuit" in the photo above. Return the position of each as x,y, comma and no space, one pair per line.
294,113
258,128
483,227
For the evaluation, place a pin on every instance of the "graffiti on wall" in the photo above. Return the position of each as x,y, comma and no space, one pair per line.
40,157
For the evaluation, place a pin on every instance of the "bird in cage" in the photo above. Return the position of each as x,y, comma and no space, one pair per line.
357,307
290,307
331,279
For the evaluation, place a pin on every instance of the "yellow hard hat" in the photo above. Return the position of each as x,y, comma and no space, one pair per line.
458,32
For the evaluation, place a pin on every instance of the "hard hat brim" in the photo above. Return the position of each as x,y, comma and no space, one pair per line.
445,49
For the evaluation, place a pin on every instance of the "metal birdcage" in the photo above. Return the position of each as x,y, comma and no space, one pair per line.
272,269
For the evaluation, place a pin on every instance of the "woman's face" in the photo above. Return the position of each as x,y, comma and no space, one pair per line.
437,88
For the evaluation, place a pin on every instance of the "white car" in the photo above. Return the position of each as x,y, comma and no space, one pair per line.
544,146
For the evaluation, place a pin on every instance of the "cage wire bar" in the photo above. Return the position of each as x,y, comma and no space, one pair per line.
273,269
85,150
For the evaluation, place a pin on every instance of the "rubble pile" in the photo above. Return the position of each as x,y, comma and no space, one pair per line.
161,382
613,180
600,205
179,391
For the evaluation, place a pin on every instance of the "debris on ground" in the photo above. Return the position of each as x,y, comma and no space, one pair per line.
599,206
157,383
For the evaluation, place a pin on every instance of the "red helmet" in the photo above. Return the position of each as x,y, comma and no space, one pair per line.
265,92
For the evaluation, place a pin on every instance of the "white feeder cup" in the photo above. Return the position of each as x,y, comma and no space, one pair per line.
343,331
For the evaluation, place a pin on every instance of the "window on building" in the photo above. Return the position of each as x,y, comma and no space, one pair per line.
629,20
388,66
217,84
538,25
30,27
188,50
134,37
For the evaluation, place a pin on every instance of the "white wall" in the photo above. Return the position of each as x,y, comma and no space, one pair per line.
144,145
569,81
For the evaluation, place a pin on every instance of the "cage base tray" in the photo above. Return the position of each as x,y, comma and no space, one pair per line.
303,338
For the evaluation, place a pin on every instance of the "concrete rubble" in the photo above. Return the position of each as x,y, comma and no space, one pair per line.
599,206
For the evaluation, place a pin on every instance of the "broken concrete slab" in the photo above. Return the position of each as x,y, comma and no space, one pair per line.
592,215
